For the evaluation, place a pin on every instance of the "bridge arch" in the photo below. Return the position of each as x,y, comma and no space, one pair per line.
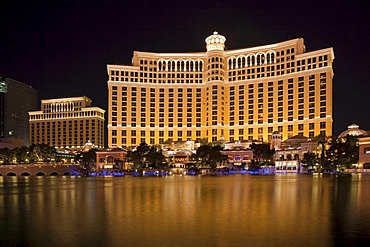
66,174
25,174
39,174
54,174
11,174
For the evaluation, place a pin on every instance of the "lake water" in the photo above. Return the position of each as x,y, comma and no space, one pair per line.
235,210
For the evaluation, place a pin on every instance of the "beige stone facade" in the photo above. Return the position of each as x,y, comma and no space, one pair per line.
67,123
241,94
364,152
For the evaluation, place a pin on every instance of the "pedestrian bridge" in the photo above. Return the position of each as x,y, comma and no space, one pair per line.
39,170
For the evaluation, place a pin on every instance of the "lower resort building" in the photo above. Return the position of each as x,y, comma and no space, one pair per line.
67,123
231,95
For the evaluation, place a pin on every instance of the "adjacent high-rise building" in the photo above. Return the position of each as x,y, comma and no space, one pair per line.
67,123
16,100
241,94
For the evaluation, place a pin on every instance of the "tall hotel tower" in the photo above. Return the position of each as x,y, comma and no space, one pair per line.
242,94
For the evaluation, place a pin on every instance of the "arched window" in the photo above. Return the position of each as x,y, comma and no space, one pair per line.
239,64
173,66
270,57
263,58
191,65
230,64
234,63
200,65
253,60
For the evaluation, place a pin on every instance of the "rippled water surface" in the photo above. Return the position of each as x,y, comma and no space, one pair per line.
238,210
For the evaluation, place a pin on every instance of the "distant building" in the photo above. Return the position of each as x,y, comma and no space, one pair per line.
239,94
16,100
364,151
363,145
352,130
290,153
67,123
110,158
239,154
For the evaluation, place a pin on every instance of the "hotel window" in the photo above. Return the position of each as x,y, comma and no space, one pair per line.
133,140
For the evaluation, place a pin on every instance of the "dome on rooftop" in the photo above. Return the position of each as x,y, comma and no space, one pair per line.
353,130
215,41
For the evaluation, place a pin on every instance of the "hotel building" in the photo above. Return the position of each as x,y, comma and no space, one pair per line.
67,123
241,94
16,100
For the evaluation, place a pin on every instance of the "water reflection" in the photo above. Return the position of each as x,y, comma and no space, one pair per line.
284,210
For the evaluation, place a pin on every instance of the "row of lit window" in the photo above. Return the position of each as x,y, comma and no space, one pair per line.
189,133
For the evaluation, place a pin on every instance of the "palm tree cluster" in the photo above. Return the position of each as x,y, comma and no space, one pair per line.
32,154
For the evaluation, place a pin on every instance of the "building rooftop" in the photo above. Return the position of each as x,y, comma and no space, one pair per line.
353,130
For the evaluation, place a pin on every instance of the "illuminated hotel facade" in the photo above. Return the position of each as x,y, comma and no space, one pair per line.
67,123
241,94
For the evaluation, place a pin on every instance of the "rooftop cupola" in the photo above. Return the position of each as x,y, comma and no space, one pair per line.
215,42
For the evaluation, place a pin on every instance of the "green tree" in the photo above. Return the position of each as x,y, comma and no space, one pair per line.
155,157
140,155
323,142
87,161
343,154
6,156
262,152
216,156
310,159
21,154
42,153
203,141
210,155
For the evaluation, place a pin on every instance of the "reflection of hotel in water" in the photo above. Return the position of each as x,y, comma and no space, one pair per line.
241,94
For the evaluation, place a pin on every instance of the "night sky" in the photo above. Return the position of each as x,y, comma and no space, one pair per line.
61,48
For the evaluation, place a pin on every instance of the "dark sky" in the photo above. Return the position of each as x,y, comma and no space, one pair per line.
61,48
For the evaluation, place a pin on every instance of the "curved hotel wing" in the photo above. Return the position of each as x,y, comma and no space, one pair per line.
242,94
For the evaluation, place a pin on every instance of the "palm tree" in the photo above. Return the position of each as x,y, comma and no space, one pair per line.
322,140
